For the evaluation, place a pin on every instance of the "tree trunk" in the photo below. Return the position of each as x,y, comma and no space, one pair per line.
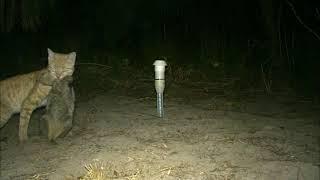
275,71
268,12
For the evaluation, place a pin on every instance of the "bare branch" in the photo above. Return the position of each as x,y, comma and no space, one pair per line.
301,22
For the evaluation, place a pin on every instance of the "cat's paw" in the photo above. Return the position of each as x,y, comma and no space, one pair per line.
23,139
23,145
53,142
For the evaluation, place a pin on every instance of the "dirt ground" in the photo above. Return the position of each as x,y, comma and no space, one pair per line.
118,136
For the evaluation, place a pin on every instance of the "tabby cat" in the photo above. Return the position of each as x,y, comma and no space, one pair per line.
26,92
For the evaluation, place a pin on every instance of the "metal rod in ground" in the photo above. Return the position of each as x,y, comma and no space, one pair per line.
160,104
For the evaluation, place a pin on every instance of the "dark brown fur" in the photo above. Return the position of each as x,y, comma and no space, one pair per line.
60,108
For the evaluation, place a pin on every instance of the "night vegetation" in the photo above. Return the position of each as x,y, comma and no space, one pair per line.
241,98
265,44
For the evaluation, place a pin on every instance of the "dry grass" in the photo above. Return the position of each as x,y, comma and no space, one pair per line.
95,171
98,170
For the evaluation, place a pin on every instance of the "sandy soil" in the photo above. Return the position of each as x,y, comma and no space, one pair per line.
204,137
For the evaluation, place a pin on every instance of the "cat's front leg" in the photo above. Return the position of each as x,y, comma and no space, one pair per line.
25,114
37,95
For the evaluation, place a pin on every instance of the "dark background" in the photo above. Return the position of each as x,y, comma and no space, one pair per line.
222,38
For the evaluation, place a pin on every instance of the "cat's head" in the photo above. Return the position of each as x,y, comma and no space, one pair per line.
61,65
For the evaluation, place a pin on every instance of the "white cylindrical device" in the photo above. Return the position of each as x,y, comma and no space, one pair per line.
159,69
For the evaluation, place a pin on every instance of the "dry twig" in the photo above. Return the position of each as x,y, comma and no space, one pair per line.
300,20
95,64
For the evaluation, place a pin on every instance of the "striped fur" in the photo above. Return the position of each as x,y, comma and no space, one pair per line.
26,92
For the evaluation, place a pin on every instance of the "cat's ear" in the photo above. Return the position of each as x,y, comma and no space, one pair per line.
50,53
72,57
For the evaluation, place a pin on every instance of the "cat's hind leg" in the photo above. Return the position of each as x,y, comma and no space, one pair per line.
5,114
